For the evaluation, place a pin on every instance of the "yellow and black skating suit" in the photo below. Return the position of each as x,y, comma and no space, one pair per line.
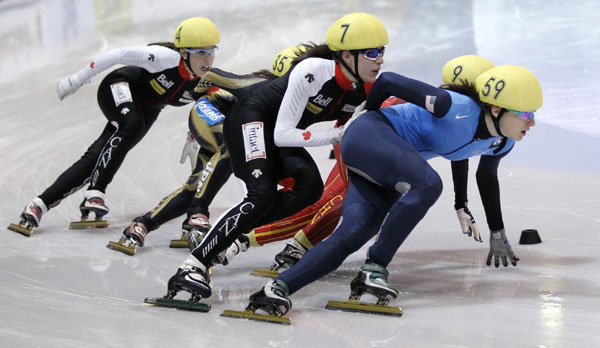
219,90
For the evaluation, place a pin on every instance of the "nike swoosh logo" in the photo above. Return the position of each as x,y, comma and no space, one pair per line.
461,116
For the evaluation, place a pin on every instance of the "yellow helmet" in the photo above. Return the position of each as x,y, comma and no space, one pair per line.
196,32
511,87
283,61
464,68
356,31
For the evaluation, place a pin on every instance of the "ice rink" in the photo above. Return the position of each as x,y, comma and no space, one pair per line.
64,288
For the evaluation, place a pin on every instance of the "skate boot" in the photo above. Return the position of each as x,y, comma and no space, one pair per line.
132,238
241,244
371,279
30,217
272,298
289,256
193,231
191,279
188,278
93,202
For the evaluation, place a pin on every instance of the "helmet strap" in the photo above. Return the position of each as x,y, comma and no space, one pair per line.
187,63
496,120
353,72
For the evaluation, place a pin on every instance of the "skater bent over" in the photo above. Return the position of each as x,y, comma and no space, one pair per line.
266,132
389,199
131,98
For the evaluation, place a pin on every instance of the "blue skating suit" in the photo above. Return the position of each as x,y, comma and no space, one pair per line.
451,136
391,184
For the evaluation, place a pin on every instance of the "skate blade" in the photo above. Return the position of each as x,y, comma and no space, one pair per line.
259,317
178,243
85,224
352,306
21,229
178,304
261,272
127,249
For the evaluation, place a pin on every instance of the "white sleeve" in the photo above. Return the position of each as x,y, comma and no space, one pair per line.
305,81
151,58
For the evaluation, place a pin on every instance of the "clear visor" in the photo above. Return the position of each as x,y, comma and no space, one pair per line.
202,52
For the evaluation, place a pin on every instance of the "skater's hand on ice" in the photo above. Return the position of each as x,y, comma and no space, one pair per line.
500,249
468,224
190,149
68,85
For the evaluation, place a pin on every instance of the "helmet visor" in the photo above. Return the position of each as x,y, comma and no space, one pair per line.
373,53
202,52
524,115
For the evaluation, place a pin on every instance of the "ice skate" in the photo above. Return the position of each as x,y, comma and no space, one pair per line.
371,279
30,217
93,202
241,244
272,298
132,238
193,231
289,256
188,278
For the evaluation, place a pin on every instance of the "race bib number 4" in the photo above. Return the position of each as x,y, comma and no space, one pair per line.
254,140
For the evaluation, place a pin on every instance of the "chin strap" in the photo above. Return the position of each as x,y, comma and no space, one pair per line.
496,120
188,65
353,72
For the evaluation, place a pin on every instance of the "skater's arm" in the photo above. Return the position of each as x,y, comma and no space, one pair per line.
435,100
151,58
305,80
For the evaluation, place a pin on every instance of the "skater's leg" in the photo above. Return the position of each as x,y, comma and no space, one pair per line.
362,213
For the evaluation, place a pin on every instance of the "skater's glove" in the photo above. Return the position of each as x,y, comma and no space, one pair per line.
69,85
468,224
190,149
500,249
337,136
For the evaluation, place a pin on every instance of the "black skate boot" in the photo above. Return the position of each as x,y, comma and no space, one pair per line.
132,238
93,202
289,256
371,279
30,217
191,279
241,244
272,298
193,231
188,278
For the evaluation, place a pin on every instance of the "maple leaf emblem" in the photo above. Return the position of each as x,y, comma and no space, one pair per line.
306,135
92,65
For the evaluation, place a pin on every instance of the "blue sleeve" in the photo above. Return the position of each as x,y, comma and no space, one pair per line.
435,100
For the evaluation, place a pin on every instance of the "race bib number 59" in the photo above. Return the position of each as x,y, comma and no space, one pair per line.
254,140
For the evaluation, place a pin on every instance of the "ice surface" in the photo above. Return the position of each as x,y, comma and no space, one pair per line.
63,288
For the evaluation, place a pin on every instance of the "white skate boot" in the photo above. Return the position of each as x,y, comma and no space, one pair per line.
132,238
241,244
93,202
289,256
30,217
